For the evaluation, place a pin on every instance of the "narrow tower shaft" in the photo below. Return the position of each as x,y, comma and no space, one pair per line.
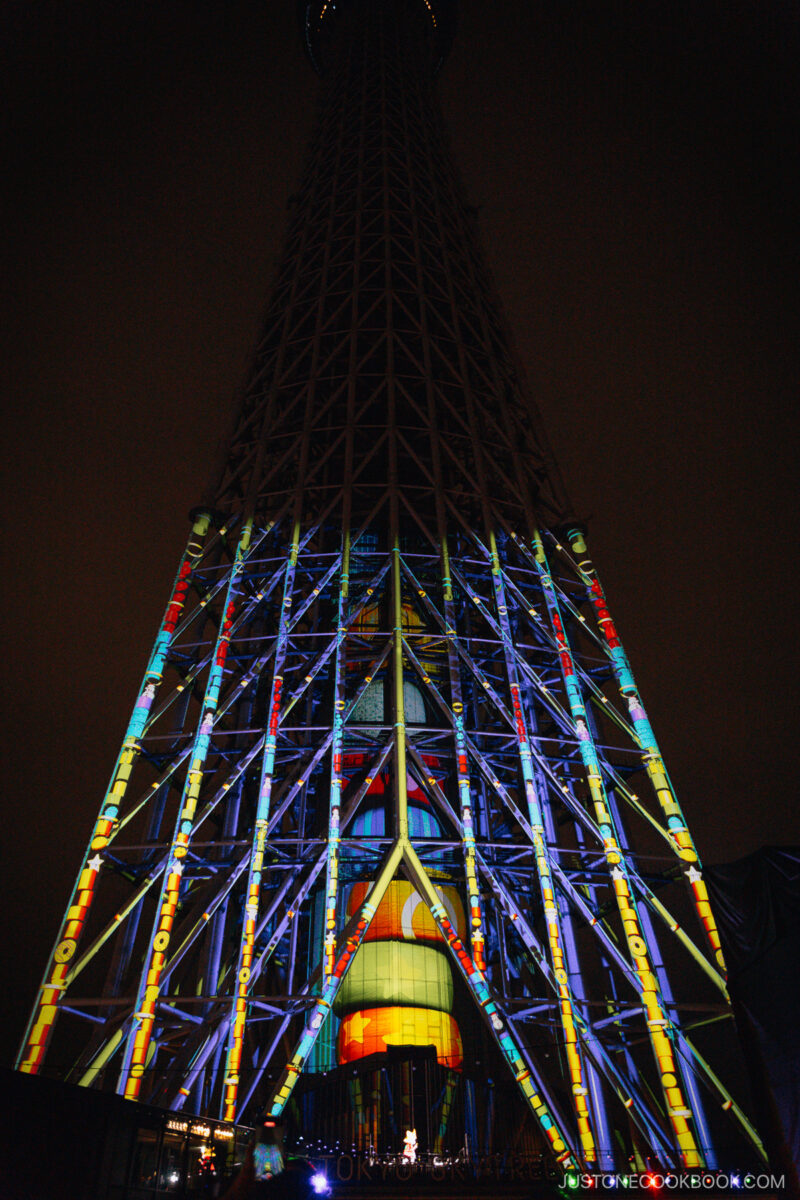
381,333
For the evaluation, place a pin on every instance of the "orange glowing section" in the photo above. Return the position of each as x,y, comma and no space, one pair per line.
404,914
374,1030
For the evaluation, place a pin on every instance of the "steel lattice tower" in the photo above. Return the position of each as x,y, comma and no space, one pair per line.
388,670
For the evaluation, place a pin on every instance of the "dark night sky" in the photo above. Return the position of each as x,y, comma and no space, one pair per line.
632,163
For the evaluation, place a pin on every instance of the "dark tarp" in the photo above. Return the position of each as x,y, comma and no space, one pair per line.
757,905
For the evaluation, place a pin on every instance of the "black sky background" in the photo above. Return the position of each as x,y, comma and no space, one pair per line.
632,163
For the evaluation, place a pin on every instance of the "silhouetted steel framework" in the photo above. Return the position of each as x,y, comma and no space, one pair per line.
385,584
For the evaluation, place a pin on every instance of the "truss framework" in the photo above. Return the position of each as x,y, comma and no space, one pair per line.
388,515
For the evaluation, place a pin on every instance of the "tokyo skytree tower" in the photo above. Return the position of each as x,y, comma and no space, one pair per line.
389,804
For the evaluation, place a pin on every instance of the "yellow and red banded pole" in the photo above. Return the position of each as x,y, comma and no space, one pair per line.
137,1043
654,763
657,1018
572,1050
56,975
244,960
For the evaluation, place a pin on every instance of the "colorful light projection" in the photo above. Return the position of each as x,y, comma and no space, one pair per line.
555,933
56,977
399,988
653,1005
235,1046
653,761
137,1045
375,1030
